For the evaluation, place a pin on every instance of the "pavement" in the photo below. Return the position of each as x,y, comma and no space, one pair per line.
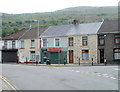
70,65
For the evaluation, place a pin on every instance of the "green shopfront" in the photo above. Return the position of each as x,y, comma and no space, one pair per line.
56,55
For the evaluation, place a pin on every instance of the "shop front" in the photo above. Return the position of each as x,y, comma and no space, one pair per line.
56,55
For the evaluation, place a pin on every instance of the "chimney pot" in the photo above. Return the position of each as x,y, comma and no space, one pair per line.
75,21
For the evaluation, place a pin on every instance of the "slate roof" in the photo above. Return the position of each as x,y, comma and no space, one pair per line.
33,33
15,36
72,29
109,27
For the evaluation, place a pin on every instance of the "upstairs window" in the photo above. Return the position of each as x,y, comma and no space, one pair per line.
44,42
57,42
101,40
117,39
22,44
13,44
5,44
70,41
32,43
85,41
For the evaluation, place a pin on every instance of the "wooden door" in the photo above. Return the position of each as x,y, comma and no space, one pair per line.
71,60
101,55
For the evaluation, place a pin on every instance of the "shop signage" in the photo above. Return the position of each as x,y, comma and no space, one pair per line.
54,49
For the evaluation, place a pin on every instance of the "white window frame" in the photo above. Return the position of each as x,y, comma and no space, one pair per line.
87,53
5,43
14,45
55,42
84,41
34,56
43,42
71,42
116,54
32,44
22,46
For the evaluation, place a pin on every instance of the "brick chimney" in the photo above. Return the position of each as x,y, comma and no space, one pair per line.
75,21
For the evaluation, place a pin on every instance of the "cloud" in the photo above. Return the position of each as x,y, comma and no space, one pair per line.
30,6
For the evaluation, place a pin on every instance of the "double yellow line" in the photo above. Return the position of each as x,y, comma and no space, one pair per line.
7,82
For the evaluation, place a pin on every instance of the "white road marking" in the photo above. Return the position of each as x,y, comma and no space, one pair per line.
84,72
113,78
98,75
116,69
104,74
77,71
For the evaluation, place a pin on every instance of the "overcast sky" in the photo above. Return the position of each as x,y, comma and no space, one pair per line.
32,6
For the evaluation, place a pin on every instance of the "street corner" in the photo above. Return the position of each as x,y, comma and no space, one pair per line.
6,84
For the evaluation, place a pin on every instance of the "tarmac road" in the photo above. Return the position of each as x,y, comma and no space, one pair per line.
26,77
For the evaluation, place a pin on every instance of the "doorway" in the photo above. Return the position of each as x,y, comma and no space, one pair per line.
101,55
71,60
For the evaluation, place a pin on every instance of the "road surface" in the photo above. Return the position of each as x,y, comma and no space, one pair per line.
26,77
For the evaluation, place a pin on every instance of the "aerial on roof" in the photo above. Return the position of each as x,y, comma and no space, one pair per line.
72,29
15,36
109,27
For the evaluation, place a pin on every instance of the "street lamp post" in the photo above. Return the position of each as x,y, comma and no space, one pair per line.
38,54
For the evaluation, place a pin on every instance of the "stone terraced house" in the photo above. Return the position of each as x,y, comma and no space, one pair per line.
70,42
109,42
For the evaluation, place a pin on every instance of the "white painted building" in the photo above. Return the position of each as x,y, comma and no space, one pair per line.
10,46
1,45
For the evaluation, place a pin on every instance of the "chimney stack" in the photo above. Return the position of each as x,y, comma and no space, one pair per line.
75,21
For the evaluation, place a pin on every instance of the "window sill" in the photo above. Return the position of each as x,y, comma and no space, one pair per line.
85,59
117,44
71,46
22,48
101,45
32,47
116,59
32,60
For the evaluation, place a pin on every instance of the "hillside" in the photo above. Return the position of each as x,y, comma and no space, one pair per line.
15,22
